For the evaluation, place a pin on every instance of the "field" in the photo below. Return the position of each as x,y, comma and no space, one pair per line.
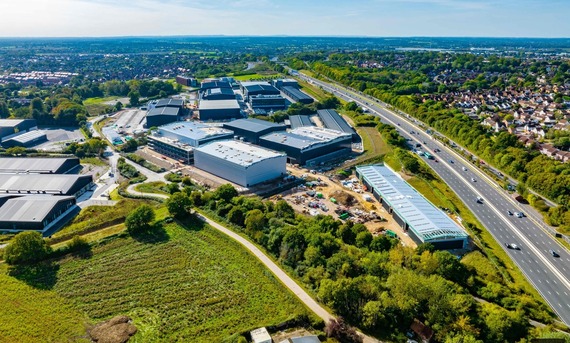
186,285
96,106
31,315
151,187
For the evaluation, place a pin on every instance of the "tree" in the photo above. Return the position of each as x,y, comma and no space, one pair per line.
4,110
236,216
225,192
178,204
140,219
26,247
16,150
134,98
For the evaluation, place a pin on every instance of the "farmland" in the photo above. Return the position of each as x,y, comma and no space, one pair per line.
184,285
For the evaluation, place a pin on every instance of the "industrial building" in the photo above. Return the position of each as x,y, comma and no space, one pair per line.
309,145
10,127
162,115
251,129
280,83
267,102
186,81
218,94
30,184
242,163
16,165
34,212
332,120
173,103
219,110
300,121
25,139
178,140
296,95
250,89
419,218
207,84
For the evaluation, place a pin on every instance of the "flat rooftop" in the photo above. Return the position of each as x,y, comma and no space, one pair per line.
32,165
218,104
215,91
254,83
169,102
238,152
427,221
252,125
163,111
29,208
35,183
192,130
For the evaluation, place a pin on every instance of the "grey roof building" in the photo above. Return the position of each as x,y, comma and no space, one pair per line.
415,214
242,163
25,139
11,126
309,145
252,129
332,120
162,115
296,95
33,165
218,94
36,213
257,88
28,184
176,103
219,110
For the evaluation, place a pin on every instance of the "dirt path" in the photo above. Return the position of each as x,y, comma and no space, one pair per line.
280,274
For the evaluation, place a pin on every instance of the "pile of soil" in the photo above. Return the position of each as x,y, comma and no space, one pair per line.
116,330
344,198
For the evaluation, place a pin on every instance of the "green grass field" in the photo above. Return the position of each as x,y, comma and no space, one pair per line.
32,315
188,285
96,106
151,187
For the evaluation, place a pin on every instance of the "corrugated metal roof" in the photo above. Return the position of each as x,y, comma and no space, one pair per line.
300,121
295,93
27,136
29,208
306,137
38,183
31,165
332,120
425,220
163,111
169,102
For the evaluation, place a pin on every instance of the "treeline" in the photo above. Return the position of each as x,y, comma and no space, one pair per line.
534,170
375,282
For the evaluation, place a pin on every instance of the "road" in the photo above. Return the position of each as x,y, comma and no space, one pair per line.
549,275
280,274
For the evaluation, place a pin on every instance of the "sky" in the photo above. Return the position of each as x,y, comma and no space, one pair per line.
382,18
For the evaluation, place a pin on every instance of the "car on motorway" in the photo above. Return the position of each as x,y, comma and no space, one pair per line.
464,169
479,200
519,214
512,246
473,179
554,253
510,213
450,161
436,150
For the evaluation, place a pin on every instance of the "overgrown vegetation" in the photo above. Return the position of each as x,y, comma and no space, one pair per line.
141,161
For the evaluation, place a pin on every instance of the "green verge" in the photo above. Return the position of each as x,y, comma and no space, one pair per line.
33,315
194,284
151,187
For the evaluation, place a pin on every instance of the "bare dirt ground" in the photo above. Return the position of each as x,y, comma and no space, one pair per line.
329,187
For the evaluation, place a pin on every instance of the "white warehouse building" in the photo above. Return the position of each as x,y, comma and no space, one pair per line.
242,163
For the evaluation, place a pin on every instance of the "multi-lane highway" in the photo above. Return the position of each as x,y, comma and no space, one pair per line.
550,275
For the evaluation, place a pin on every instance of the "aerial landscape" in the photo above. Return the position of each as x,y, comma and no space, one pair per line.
287,172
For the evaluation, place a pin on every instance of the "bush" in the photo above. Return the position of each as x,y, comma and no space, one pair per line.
26,247
140,219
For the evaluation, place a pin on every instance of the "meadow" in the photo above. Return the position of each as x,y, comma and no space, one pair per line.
183,284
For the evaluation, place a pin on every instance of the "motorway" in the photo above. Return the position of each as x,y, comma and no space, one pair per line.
548,274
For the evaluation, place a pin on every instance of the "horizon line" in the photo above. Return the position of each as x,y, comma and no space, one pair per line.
275,36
